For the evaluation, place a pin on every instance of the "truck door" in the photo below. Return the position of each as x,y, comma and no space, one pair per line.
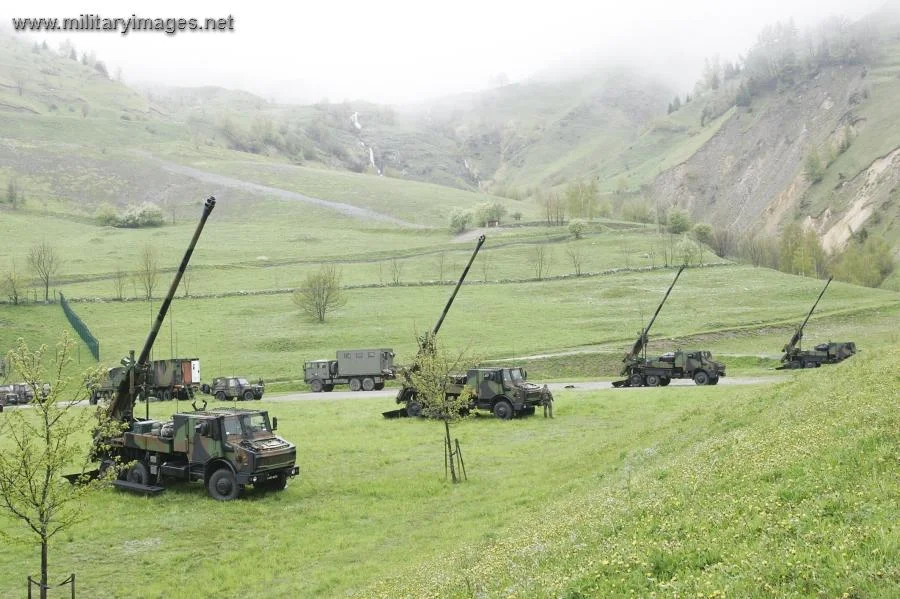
195,371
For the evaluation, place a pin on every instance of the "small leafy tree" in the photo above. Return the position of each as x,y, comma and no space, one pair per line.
459,221
44,442
577,227
679,221
703,233
321,292
432,381
814,168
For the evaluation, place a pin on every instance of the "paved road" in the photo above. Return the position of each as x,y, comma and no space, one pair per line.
579,386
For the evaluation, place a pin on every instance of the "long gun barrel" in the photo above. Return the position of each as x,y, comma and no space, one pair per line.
642,339
437,326
122,406
798,335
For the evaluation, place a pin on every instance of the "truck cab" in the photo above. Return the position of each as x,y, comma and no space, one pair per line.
504,391
225,448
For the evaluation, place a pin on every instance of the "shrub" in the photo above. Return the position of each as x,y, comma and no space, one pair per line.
577,228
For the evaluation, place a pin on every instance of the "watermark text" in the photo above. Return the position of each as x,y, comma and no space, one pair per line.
134,23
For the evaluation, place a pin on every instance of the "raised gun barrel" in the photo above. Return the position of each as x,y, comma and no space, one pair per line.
121,408
437,326
641,341
798,334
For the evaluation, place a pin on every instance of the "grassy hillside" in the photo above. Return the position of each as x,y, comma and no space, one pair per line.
784,490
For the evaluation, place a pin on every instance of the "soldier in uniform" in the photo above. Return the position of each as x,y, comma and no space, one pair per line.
547,401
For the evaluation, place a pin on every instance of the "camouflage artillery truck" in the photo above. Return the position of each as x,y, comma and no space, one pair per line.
824,353
225,449
172,378
361,369
680,364
504,391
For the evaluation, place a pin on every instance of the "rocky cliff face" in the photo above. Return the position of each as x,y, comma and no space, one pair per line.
750,175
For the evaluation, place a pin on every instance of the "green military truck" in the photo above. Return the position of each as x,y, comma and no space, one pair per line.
503,391
225,388
16,393
172,378
225,449
659,372
361,369
824,353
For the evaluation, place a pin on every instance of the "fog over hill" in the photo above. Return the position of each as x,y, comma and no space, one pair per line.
399,51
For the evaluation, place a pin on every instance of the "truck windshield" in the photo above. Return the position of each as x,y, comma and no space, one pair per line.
513,375
246,425
243,382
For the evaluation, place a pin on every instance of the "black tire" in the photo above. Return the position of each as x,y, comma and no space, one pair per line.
355,385
138,474
652,380
316,385
368,384
503,410
664,380
714,380
276,484
636,380
379,386
413,409
809,364
94,398
223,485
248,395
328,388
220,395
701,378
166,395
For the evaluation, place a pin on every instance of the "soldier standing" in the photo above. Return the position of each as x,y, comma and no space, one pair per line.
547,401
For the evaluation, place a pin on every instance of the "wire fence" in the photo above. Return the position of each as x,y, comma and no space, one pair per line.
83,331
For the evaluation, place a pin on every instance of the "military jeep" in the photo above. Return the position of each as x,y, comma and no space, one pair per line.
225,388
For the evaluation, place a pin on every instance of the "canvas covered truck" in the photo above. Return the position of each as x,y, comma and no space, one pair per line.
361,369
172,378
16,393
224,449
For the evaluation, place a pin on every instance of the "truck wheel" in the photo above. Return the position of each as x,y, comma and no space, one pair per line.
138,474
166,395
368,384
379,386
93,399
701,378
664,380
503,410
355,385
413,409
223,485
316,385
809,364
248,395
636,380
713,380
220,395
652,380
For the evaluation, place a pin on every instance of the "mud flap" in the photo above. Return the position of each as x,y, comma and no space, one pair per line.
401,413
625,383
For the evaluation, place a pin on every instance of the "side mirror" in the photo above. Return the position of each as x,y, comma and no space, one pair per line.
524,374
274,423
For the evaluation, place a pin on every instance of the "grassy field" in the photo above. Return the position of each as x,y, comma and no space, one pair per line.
784,490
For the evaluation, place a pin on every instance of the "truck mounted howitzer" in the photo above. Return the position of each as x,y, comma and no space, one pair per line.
224,448
407,392
638,370
824,353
